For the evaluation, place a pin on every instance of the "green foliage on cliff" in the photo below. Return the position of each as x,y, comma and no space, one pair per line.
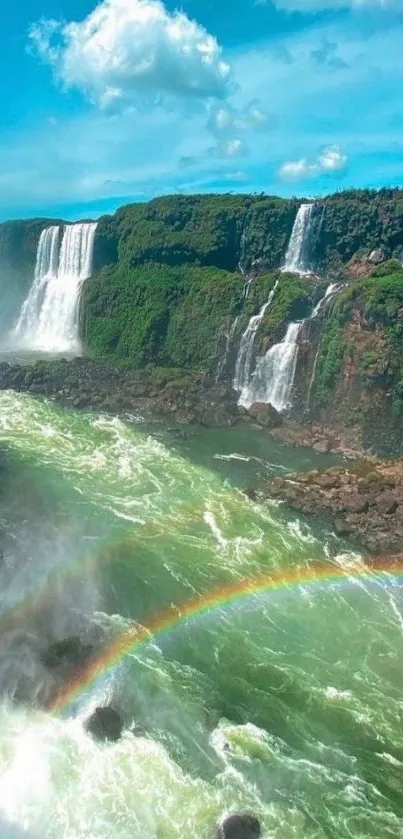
206,230
377,303
357,220
173,286
167,316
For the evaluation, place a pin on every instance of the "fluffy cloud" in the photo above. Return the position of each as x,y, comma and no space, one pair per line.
234,147
128,48
224,120
329,161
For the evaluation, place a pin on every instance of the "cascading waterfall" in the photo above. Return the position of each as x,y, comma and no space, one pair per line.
245,353
273,378
256,390
296,256
332,289
274,375
49,316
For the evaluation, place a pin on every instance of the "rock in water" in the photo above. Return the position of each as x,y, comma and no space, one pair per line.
105,724
265,415
66,653
239,826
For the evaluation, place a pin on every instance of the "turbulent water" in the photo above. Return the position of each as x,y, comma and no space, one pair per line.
287,703
49,316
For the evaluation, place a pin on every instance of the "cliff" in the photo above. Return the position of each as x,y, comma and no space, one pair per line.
176,281
354,368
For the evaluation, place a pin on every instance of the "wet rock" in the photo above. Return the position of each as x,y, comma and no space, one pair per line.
239,826
361,502
376,256
265,415
341,526
386,504
105,724
355,504
250,493
67,653
322,446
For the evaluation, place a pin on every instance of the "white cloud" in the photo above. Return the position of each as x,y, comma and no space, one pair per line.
332,159
225,120
329,161
233,147
128,48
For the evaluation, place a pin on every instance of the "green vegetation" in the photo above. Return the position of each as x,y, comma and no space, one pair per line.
378,302
354,221
219,230
170,317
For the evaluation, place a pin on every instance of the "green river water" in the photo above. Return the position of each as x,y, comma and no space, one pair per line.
287,704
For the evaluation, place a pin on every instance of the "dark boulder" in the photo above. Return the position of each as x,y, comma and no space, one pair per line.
265,415
67,653
239,826
105,724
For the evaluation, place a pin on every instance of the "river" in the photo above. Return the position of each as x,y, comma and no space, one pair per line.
285,701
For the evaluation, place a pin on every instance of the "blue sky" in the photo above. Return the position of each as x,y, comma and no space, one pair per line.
120,101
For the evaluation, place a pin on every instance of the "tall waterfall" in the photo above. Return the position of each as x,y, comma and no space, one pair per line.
245,353
296,256
49,316
274,375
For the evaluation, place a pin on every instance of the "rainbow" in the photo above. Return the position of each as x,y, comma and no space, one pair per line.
219,597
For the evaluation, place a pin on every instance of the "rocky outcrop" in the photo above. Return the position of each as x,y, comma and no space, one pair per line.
92,385
363,502
265,415
239,826
105,723
66,655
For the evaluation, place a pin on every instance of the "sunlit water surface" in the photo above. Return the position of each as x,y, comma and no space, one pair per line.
287,703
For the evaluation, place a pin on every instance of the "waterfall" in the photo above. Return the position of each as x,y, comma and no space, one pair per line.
332,289
49,316
295,258
274,375
228,338
245,353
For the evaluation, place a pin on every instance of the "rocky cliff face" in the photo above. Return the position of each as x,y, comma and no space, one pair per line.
350,368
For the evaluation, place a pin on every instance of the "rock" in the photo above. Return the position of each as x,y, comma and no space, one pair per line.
376,256
386,504
265,415
239,826
250,493
355,504
341,526
322,446
105,724
327,480
66,653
